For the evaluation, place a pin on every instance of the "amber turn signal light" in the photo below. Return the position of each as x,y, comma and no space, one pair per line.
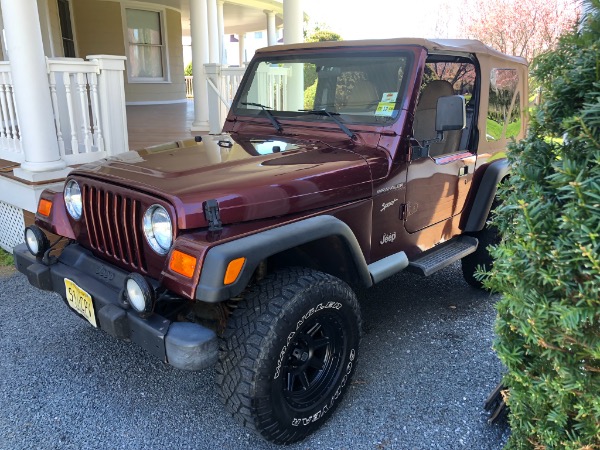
44,207
233,270
182,263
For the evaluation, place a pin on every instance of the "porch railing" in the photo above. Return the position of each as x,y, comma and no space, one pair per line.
10,135
223,82
74,91
189,86
88,102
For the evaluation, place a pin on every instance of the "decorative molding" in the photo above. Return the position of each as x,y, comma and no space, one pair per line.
157,102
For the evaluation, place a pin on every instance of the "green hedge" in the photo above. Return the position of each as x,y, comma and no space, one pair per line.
548,263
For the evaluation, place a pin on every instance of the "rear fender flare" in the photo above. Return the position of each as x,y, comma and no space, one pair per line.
486,192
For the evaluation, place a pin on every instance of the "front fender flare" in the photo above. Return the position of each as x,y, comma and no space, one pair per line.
257,247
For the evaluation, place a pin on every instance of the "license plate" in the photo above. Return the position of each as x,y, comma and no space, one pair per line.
80,301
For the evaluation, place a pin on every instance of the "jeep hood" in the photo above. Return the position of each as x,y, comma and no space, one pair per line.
246,184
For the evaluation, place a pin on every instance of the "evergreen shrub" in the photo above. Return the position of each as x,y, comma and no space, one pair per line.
547,266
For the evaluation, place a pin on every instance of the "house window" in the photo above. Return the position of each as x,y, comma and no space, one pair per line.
146,45
66,28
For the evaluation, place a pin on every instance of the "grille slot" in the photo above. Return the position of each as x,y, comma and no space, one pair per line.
112,221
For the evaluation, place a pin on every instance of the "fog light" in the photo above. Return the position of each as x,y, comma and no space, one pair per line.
36,241
139,294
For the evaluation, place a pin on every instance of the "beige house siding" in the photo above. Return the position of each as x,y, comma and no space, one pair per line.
99,30
98,27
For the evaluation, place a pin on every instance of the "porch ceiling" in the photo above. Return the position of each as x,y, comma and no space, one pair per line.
240,16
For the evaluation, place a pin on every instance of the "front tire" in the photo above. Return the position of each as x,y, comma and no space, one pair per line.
288,353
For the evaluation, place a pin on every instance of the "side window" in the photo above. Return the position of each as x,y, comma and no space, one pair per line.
504,116
460,75
443,78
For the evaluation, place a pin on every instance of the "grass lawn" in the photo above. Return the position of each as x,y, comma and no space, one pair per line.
495,129
6,259
7,265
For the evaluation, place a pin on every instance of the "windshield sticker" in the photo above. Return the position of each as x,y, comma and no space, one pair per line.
385,109
389,97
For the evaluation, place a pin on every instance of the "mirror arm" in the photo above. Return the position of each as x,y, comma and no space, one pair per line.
421,149
438,138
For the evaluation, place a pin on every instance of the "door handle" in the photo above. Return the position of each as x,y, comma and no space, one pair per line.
463,171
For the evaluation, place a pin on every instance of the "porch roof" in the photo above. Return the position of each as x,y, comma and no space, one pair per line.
240,15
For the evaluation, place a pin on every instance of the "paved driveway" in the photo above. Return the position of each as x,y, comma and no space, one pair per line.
425,369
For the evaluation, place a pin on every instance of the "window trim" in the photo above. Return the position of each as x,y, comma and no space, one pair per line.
73,31
166,78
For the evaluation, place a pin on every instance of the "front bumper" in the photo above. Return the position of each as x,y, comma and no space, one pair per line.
184,345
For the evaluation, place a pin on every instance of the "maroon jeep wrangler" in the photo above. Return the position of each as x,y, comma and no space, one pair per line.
340,164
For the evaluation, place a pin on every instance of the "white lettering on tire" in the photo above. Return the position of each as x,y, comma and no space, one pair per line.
319,414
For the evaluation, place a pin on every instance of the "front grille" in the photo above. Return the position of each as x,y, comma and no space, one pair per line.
113,225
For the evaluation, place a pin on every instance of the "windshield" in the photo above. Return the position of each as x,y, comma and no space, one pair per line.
364,88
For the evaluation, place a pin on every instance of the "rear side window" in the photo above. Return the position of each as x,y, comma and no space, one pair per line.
504,117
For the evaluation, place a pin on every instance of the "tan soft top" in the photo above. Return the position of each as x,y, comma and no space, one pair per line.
433,46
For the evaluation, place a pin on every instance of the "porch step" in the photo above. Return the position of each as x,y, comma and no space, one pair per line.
443,255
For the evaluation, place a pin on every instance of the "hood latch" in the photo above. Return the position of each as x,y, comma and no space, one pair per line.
212,215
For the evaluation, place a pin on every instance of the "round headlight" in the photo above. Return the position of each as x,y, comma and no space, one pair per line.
158,229
73,199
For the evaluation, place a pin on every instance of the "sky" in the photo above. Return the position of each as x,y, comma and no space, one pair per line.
380,19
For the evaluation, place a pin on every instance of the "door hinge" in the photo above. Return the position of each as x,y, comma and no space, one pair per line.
407,209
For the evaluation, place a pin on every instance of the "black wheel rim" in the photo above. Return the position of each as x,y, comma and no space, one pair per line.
313,364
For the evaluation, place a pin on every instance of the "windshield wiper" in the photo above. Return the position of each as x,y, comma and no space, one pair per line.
270,115
324,112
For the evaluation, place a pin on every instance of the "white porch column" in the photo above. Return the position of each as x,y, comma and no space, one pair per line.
213,32
242,49
32,92
200,56
293,22
221,31
292,34
271,29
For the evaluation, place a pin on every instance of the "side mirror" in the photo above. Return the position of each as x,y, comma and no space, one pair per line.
451,113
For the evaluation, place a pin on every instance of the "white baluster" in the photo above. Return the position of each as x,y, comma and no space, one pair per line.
96,126
85,111
4,128
10,99
271,85
284,90
55,108
74,141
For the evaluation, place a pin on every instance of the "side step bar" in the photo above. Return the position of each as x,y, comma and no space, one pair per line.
443,255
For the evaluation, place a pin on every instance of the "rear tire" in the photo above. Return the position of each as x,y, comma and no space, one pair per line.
288,353
481,257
